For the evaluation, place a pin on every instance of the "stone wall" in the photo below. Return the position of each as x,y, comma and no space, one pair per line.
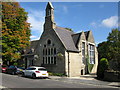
112,76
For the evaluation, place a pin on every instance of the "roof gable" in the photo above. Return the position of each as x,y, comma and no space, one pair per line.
66,38
33,45
76,38
89,36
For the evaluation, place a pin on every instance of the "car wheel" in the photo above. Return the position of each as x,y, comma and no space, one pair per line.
13,73
44,77
33,76
23,74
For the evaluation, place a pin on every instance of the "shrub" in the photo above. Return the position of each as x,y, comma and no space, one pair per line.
103,65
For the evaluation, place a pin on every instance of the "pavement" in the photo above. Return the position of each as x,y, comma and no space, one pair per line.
86,79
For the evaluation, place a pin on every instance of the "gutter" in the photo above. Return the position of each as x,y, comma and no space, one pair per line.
68,64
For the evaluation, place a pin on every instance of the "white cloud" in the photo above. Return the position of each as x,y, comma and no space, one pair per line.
110,22
36,19
34,37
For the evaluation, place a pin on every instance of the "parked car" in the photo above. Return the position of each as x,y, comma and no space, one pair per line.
34,72
4,67
20,70
12,70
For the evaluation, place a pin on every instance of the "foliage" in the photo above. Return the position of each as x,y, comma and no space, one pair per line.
103,50
69,29
60,56
111,48
114,44
15,31
15,64
103,65
56,74
90,66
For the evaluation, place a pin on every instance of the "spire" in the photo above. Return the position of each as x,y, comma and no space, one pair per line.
49,18
49,5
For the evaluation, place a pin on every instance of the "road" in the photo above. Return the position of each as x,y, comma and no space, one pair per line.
15,81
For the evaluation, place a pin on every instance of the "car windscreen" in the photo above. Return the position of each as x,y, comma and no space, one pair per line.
31,69
21,68
12,67
42,69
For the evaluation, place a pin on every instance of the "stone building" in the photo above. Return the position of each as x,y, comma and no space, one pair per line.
63,51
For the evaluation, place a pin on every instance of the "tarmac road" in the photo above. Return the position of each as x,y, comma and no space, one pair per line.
15,81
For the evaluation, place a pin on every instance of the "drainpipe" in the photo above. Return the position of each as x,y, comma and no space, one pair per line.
68,65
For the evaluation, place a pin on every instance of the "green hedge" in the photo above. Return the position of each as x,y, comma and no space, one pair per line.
103,65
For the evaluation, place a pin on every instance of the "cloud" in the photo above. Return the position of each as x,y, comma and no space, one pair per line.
36,19
34,37
110,22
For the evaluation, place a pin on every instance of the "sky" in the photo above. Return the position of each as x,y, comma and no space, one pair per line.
99,17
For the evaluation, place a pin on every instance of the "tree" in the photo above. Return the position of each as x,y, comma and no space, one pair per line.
15,31
114,47
69,29
111,48
103,50
114,44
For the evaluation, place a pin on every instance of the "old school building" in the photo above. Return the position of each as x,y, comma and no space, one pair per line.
61,50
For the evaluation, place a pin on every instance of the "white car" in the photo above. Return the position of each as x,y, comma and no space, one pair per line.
34,72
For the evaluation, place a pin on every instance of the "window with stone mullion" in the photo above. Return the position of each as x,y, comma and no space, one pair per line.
92,54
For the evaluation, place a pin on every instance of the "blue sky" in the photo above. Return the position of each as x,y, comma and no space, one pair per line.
100,17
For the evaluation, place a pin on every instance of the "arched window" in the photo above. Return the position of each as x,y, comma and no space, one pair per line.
43,52
49,53
43,61
54,51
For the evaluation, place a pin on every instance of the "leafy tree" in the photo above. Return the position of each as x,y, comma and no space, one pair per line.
114,47
69,29
114,44
15,31
111,48
103,50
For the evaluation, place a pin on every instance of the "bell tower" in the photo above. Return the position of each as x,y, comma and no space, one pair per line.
49,17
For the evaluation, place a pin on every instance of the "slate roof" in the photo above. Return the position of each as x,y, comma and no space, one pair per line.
33,45
76,38
66,38
69,39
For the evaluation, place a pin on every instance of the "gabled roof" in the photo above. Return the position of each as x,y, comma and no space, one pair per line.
33,45
66,38
86,34
76,38
89,36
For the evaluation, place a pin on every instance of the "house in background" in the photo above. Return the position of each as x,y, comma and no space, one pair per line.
63,51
